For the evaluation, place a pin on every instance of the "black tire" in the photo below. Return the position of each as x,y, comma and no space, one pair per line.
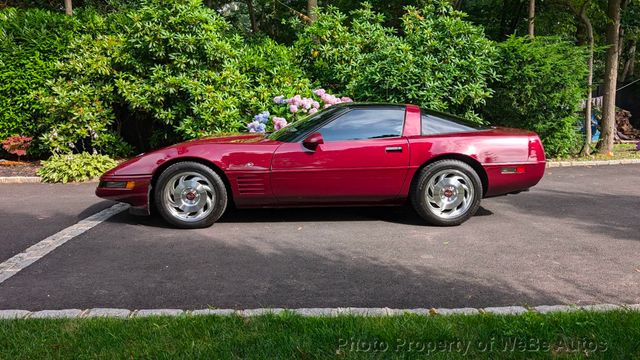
215,200
470,199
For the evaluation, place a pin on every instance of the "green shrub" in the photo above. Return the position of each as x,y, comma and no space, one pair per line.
541,83
440,61
30,43
176,66
75,167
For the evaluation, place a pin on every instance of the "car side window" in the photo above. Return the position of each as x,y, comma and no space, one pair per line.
435,124
365,123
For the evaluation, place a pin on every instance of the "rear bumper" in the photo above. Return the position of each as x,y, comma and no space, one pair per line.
138,196
504,183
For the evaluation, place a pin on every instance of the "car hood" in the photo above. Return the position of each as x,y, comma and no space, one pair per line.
215,149
232,139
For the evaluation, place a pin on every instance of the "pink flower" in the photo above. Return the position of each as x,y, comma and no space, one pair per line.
346,99
306,103
315,105
279,123
293,108
319,92
314,110
295,100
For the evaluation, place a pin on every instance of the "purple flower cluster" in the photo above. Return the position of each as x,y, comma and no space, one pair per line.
329,99
259,123
305,105
297,104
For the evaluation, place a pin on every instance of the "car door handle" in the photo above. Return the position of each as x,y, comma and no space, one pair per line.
393,149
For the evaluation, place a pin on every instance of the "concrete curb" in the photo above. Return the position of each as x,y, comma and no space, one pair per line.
308,312
19,179
554,164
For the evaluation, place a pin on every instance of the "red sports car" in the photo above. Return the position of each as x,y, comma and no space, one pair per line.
348,154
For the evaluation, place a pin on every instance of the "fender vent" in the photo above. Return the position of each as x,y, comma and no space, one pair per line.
250,185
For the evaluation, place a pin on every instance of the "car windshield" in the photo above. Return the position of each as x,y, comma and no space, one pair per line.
296,129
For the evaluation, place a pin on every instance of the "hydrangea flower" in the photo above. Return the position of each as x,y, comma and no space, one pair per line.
293,108
279,123
313,111
319,92
279,99
256,127
263,117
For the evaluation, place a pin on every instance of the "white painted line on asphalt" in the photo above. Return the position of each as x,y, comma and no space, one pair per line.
310,312
36,252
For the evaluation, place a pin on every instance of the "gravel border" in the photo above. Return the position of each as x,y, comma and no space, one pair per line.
553,164
314,312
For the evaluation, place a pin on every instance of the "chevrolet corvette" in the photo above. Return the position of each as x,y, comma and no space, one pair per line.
348,154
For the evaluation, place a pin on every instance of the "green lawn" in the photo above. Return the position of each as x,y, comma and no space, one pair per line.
610,335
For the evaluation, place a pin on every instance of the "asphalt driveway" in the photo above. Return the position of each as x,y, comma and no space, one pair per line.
574,239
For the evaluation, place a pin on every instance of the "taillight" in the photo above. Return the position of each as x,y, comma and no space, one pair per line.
536,151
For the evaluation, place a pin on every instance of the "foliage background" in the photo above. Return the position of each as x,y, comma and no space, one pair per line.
122,76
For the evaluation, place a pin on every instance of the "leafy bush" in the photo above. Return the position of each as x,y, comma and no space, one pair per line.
175,67
440,61
17,145
541,83
30,43
75,167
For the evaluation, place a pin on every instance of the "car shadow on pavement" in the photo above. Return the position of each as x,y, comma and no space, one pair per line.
200,271
613,216
403,215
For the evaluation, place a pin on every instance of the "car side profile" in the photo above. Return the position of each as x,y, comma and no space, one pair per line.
347,154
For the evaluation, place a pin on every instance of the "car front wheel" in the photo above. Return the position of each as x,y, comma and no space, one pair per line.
190,195
446,192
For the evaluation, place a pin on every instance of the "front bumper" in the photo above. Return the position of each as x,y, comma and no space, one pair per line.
136,194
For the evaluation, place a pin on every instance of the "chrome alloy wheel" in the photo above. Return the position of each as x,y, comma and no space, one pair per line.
189,196
449,193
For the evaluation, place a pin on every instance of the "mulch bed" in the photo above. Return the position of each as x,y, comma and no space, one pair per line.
22,168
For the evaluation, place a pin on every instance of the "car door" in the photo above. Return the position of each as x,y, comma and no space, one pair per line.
363,158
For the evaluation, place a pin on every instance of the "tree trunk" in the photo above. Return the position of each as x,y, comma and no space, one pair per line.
311,9
610,79
582,15
532,16
252,16
631,59
68,8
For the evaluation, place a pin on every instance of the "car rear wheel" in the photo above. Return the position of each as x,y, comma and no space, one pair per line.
190,195
446,192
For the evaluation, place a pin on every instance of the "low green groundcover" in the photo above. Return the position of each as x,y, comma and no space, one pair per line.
610,335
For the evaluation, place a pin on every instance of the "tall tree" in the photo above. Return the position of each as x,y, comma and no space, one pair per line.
68,7
252,16
532,17
582,16
311,9
605,145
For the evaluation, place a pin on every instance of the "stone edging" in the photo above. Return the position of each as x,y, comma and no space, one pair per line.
19,179
320,312
553,164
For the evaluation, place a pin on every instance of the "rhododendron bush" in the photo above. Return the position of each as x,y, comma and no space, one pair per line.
297,106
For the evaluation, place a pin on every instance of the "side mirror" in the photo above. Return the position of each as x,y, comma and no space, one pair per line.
313,140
